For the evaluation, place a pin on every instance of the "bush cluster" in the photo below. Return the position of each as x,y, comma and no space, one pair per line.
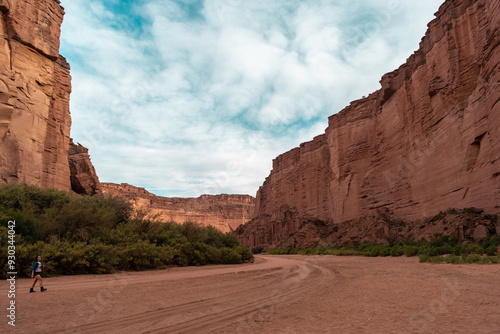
454,259
78,235
434,250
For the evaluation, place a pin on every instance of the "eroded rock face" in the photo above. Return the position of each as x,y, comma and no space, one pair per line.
34,95
35,86
381,227
84,180
224,212
425,142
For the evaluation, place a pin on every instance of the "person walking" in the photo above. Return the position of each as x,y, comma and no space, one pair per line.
36,272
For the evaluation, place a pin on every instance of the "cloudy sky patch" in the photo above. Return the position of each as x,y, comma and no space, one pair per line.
198,96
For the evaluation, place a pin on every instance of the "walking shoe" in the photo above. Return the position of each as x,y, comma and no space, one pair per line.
42,289
31,290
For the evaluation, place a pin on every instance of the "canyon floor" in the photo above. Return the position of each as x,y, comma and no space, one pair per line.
276,294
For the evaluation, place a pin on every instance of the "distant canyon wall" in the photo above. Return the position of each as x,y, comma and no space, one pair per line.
224,212
35,86
428,140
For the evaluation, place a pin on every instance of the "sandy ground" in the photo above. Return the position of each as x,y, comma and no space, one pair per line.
276,294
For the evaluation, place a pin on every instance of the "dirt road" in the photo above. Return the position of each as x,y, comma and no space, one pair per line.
276,294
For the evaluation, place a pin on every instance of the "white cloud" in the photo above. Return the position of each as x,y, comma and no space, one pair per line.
186,100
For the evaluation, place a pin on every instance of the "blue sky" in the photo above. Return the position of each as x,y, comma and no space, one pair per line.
198,96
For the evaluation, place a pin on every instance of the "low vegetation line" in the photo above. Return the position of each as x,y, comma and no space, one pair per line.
445,249
101,234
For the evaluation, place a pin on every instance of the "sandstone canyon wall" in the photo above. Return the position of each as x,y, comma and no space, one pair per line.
224,212
35,85
427,141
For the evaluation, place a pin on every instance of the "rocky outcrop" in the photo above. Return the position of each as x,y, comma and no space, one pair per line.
468,225
34,95
425,142
84,179
224,212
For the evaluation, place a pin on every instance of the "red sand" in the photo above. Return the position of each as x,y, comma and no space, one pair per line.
276,294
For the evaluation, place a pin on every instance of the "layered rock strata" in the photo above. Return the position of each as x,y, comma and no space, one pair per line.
224,212
425,142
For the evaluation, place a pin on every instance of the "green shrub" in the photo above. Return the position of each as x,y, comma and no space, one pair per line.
431,259
25,225
424,257
384,250
474,258
491,250
230,256
372,250
346,252
397,250
427,249
410,250
471,249
452,259
436,259
246,255
490,246
494,259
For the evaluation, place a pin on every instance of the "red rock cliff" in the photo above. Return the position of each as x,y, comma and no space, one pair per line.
224,212
35,85
427,141
84,179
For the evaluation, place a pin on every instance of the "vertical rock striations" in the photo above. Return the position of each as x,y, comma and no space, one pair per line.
35,85
426,141
34,95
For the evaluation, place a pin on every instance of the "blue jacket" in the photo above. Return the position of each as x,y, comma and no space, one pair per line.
35,265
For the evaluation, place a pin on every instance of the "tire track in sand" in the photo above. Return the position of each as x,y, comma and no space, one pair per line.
297,277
